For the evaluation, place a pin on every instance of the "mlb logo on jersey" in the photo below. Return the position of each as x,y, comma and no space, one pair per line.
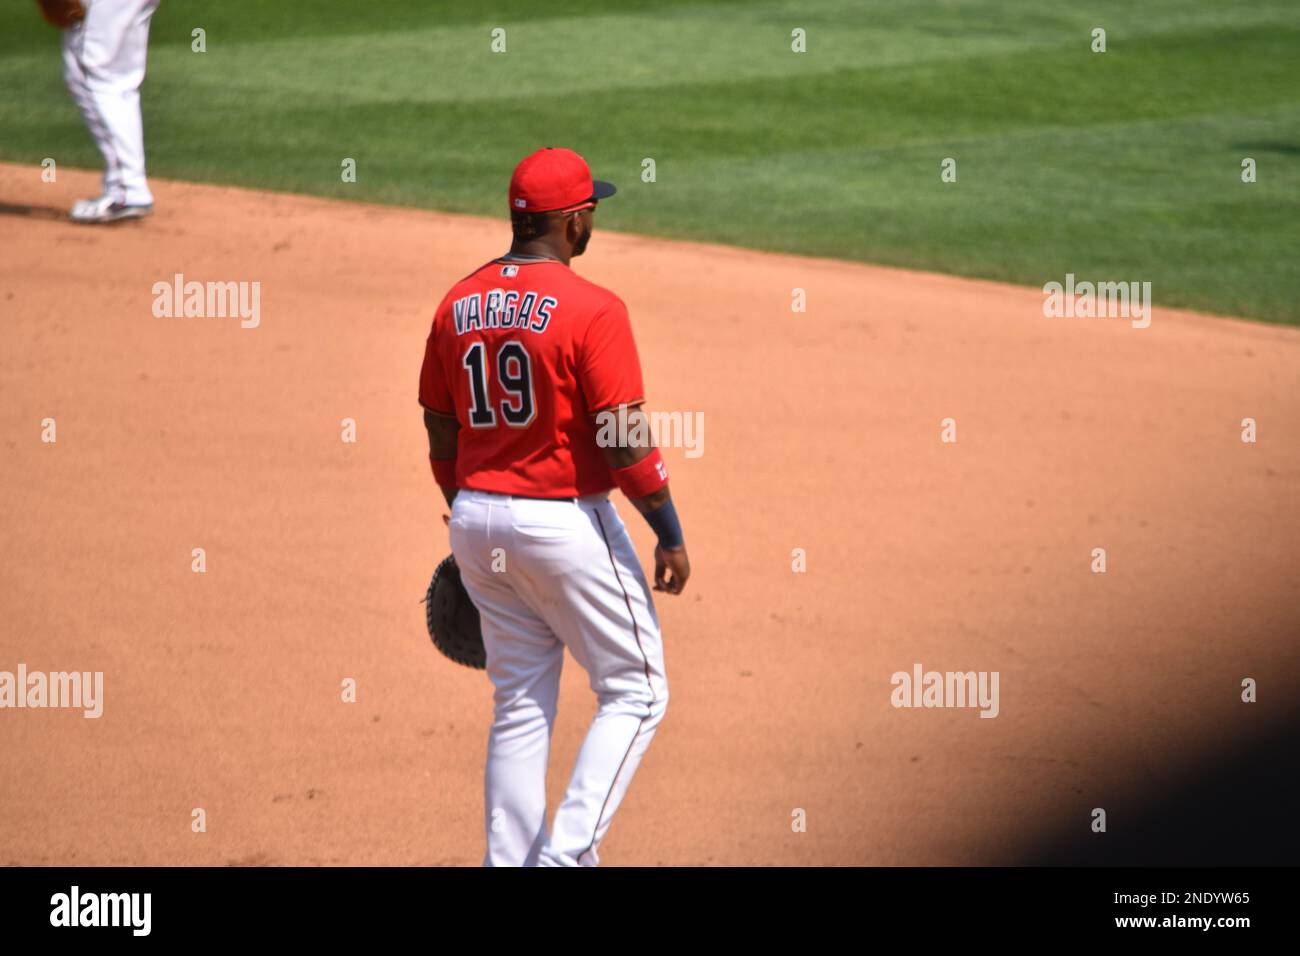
510,271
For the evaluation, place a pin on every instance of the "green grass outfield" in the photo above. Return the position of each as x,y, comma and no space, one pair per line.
1121,165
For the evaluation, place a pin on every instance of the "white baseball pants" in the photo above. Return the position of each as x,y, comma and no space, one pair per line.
103,66
546,575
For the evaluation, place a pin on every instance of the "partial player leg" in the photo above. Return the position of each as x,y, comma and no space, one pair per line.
74,75
600,606
524,660
113,47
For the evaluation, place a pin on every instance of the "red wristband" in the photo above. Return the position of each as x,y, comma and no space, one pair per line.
444,471
644,478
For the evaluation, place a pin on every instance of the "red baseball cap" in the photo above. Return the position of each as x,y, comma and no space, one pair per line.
555,178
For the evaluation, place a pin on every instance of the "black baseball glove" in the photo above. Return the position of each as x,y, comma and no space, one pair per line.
453,618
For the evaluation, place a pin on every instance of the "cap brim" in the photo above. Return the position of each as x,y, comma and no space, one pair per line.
601,190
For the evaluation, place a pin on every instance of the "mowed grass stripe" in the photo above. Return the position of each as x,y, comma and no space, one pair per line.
252,21
1067,160
695,44
862,109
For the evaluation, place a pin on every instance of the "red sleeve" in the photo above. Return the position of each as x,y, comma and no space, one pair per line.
609,369
434,393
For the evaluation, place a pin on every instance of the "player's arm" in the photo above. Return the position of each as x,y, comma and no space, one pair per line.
435,396
639,470
443,431
610,374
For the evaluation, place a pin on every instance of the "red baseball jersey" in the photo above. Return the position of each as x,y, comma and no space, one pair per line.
522,353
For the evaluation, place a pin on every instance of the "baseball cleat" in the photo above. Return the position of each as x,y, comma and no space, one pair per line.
104,209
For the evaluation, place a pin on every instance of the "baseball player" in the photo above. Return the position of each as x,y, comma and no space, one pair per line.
524,364
105,43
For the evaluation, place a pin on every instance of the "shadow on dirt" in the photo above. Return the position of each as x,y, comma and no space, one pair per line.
1239,806
32,212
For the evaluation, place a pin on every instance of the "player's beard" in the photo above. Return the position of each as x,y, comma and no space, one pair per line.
581,245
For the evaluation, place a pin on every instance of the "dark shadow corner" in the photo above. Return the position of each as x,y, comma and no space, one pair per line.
1239,806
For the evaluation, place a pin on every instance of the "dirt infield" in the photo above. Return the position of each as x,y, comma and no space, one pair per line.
222,690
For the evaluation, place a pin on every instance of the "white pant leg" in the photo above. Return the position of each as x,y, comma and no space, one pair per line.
570,573
588,585
524,660
104,64
75,78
